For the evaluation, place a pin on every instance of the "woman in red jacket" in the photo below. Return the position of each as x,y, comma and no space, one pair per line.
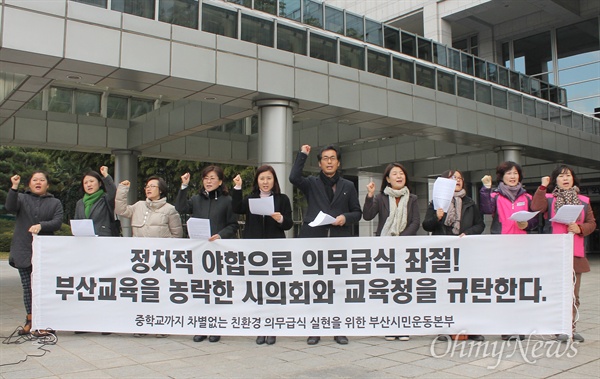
558,189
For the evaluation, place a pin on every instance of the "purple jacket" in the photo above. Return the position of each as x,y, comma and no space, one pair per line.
496,204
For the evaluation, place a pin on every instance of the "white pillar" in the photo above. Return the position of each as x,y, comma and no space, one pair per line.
126,168
509,153
275,139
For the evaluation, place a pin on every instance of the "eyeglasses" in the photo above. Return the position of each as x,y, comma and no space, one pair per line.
329,159
151,186
457,178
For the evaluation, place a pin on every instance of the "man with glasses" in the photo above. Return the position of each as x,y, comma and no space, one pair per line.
330,193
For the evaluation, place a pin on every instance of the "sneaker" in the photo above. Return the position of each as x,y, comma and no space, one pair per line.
404,338
578,337
390,338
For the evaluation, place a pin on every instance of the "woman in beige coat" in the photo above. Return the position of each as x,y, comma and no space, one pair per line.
153,217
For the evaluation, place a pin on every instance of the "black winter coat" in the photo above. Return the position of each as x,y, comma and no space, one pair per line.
471,220
213,206
263,226
103,210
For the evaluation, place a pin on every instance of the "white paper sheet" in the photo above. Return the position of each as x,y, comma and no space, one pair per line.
567,214
264,206
322,219
522,216
82,228
199,228
443,191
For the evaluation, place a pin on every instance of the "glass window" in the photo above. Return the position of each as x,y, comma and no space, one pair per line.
466,61
577,121
541,110
588,125
492,72
257,30
535,87
445,82
514,102
554,113
323,48
506,54
219,21
566,117
35,102
378,63
533,55
515,81
503,76
425,76
245,3
140,107
480,68
454,59
373,32
268,6
554,94
142,8
483,93
99,3
291,39
525,83
466,87
87,102
391,38
179,12
352,55
403,70
334,20
578,44
354,26
116,107
528,106
462,44
425,49
313,13
439,54
291,9
499,98
544,90
60,100
409,44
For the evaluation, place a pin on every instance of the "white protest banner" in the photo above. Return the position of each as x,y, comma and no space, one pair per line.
492,284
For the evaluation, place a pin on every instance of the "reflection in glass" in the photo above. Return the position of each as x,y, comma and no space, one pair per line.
466,61
313,13
140,107
373,32
425,76
116,107
179,12
291,39
257,30
465,88
533,55
354,26
483,93
454,59
525,83
334,19
503,76
323,48
578,44
60,100
142,8
492,72
425,49
391,38
480,68
268,6
445,82
409,44
219,21
290,9
87,102
378,63
439,54
403,70
99,3
499,98
515,81
246,3
535,87
35,102
352,55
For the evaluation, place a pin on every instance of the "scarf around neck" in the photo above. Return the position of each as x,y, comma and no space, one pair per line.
566,197
454,214
510,192
90,200
329,182
397,220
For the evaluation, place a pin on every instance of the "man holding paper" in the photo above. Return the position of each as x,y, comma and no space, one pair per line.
557,192
329,193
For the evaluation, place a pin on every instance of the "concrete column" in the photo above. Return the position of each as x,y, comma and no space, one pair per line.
126,168
435,27
509,153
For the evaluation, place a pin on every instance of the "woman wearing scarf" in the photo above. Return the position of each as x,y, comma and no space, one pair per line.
561,188
98,203
463,218
396,206
510,197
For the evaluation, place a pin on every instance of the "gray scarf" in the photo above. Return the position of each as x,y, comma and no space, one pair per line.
454,212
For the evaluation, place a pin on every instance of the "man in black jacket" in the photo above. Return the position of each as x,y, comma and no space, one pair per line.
330,193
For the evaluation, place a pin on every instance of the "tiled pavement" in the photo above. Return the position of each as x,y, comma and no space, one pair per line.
120,355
